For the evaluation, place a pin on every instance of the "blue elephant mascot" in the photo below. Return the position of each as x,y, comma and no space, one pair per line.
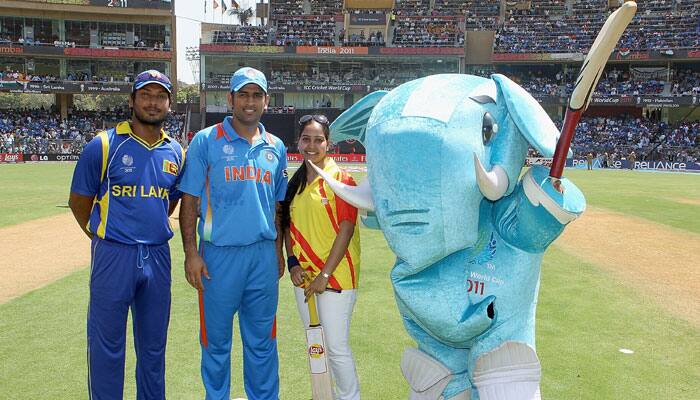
444,158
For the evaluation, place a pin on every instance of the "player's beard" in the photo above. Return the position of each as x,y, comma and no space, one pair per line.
148,120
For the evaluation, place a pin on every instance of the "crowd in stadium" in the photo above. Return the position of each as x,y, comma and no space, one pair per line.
44,132
535,26
40,131
354,39
612,83
647,137
314,31
529,27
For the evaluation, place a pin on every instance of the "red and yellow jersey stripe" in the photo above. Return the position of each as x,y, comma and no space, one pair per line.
316,215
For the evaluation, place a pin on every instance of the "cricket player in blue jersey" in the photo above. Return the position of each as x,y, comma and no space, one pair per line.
235,175
124,188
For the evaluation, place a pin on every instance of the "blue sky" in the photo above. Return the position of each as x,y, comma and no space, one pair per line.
189,15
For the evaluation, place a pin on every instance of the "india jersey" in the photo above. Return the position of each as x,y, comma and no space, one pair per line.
316,214
238,184
133,184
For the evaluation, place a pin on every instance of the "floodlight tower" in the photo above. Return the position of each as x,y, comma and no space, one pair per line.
192,56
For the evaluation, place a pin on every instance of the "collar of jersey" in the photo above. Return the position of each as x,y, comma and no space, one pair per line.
124,128
230,133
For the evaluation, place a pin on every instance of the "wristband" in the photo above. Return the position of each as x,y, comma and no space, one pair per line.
292,261
325,275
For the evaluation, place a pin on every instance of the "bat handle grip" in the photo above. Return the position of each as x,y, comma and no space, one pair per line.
313,314
567,134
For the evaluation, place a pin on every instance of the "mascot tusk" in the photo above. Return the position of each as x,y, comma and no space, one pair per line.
493,185
358,196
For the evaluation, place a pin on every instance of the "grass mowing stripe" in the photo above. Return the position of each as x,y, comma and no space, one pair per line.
584,317
36,190
31,191
645,195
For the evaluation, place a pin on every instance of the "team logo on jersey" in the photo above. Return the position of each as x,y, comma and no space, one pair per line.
227,149
128,164
127,160
269,156
170,167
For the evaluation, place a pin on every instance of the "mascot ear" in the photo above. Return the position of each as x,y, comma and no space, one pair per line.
529,116
352,123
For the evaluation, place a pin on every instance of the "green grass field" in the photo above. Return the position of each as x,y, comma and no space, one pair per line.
584,315
31,191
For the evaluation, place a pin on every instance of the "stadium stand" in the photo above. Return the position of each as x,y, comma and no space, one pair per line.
544,28
43,131
426,31
535,26
305,31
326,7
411,7
282,8
243,34
649,138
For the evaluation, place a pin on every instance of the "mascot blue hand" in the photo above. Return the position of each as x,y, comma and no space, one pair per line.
444,157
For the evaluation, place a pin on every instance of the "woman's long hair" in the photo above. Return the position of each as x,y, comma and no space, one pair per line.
297,183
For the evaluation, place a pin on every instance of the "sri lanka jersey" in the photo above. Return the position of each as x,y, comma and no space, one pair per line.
133,184
238,184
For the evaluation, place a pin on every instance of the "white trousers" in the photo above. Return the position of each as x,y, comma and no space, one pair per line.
334,312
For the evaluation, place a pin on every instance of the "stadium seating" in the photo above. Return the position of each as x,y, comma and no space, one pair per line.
246,35
44,132
648,138
534,26
426,31
305,31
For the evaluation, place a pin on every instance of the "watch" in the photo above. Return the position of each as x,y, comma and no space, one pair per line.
325,275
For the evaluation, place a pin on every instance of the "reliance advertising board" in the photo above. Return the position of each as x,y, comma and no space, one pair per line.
620,164
361,158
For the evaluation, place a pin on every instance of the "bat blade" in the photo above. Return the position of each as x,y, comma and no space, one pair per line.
321,386
590,73
599,53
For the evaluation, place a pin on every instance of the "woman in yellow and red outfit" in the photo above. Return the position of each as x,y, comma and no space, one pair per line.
323,245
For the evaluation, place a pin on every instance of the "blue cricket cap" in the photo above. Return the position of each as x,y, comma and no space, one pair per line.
248,75
152,76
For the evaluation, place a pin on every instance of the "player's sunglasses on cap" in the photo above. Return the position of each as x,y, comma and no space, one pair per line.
320,118
152,76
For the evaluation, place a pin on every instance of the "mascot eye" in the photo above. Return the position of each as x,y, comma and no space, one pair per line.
489,127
